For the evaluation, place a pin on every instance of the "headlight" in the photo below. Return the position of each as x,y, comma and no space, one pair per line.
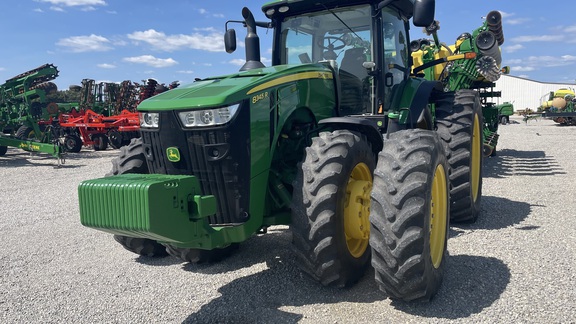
208,117
148,119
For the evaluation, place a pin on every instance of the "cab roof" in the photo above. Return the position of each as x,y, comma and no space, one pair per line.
302,6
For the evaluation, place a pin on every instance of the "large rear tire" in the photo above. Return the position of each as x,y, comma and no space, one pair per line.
460,128
409,215
331,207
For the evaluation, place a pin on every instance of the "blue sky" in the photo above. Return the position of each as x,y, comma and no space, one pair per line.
116,40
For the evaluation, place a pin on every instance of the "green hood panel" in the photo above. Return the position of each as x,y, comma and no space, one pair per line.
230,89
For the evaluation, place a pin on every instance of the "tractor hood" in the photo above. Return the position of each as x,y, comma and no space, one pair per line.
229,89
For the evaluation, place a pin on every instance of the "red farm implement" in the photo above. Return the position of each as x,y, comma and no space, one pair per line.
107,114
97,130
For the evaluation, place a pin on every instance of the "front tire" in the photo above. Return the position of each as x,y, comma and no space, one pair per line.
201,256
3,150
331,207
141,246
460,128
409,215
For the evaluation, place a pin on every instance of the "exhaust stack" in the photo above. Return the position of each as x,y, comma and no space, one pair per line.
252,42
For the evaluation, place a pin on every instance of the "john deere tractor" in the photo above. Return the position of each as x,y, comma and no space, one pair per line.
335,138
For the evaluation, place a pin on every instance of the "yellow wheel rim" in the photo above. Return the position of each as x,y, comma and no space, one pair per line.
476,157
357,210
438,216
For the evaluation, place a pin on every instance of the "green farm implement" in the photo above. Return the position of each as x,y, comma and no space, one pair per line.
26,116
560,107
471,65
336,138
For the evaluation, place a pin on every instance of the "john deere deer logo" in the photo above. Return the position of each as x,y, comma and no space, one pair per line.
173,154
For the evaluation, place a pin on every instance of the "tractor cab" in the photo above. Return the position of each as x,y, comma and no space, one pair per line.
365,43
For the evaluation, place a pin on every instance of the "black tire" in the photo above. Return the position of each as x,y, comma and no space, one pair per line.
72,143
3,150
100,142
504,120
141,246
460,128
115,139
201,256
25,132
131,159
331,246
410,195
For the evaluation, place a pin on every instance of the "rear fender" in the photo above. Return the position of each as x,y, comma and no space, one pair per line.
417,96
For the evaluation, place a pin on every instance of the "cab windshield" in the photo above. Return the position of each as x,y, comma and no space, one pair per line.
339,37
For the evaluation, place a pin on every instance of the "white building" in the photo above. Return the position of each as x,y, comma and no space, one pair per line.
525,93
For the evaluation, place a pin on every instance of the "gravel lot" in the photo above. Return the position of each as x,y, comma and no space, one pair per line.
515,265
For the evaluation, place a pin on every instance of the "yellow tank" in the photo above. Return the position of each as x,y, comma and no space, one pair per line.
558,99
444,51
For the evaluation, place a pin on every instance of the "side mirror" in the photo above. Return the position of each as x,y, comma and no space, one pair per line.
230,41
424,12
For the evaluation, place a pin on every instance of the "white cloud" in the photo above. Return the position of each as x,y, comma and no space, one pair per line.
513,48
521,68
73,3
53,8
533,63
211,40
238,62
151,61
185,72
570,29
106,66
514,61
538,38
516,21
79,44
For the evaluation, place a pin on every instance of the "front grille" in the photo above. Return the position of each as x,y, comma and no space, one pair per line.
219,157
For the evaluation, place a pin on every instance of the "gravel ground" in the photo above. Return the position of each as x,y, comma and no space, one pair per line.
514,265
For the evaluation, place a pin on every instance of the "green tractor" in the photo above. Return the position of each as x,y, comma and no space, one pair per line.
336,139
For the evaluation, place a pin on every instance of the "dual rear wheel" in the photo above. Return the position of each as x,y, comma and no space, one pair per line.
343,216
